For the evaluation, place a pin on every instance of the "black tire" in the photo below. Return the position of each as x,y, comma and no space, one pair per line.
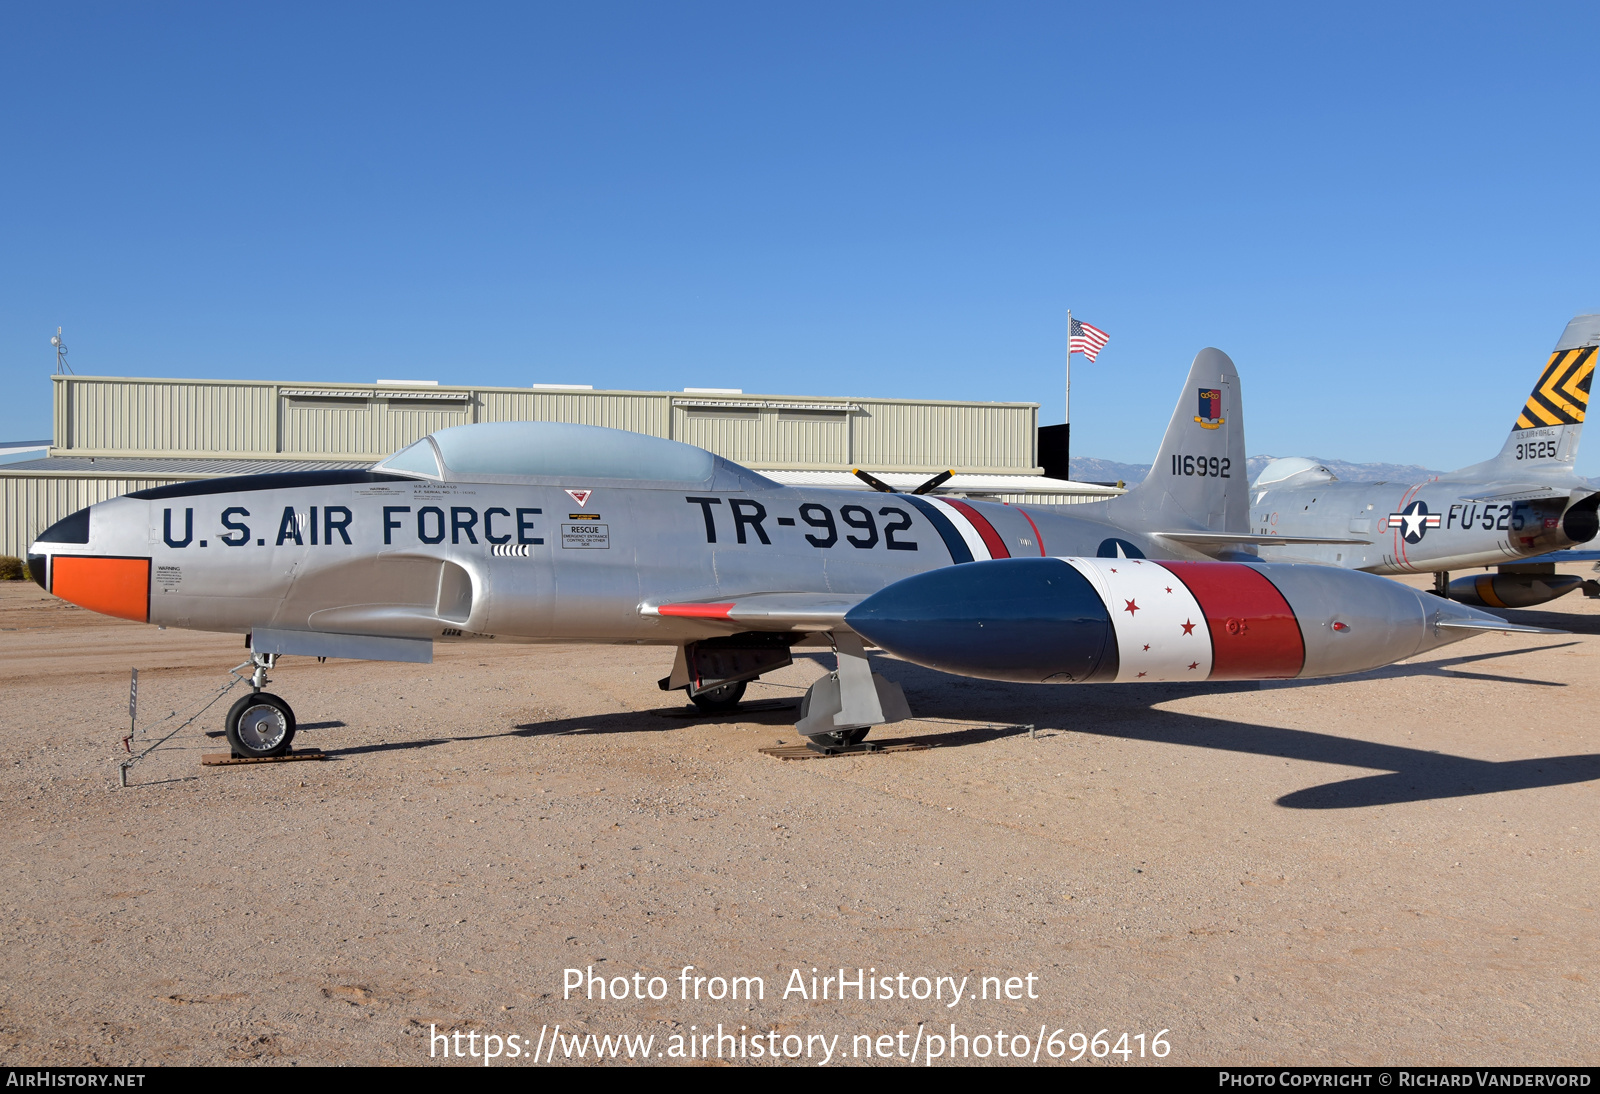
843,738
719,700
259,726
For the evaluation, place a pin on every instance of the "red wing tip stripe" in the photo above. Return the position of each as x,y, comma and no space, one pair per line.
696,611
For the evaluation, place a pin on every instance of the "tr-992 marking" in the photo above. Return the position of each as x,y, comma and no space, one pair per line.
862,531
1202,466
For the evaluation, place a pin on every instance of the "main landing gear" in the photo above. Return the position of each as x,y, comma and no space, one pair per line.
719,700
714,671
260,725
838,711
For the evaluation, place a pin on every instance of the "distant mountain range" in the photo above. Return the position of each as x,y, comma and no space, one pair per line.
1093,470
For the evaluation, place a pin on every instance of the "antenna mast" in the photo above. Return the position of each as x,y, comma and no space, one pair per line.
62,368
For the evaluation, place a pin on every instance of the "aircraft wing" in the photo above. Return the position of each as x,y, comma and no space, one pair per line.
1228,539
1562,556
1517,493
765,611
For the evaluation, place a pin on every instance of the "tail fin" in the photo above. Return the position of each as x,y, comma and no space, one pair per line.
1199,478
1546,433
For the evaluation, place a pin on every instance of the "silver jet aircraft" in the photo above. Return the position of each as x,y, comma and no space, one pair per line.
544,531
1527,501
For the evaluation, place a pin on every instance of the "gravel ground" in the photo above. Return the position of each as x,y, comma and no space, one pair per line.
1394,868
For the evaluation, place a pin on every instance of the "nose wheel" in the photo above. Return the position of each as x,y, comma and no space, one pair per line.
260,726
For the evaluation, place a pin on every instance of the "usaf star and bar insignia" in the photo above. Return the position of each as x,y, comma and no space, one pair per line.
1414,521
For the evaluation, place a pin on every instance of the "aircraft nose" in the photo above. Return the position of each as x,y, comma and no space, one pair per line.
116,585
73,529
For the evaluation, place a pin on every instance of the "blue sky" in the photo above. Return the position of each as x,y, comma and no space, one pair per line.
1384,213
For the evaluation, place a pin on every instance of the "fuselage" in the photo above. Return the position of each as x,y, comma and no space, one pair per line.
384,554
1413,527
528,532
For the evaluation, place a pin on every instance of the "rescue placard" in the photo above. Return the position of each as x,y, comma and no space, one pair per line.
585,536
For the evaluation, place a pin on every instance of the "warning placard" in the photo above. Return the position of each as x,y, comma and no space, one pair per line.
586,536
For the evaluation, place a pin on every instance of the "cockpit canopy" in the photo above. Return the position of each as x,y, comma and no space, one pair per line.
552,453
1299,468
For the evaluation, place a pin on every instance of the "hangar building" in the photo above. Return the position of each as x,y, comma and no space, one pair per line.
113,435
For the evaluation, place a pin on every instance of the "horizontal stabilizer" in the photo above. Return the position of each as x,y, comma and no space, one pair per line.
1228,539
1516,493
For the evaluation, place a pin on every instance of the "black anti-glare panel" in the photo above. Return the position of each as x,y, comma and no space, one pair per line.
73,529
286,480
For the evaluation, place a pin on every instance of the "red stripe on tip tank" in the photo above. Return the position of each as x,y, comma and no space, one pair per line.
991,538
1254,632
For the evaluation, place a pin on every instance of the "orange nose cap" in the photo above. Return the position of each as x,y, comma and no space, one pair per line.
111,586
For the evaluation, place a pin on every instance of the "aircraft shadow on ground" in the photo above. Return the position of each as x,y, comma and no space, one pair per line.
1552,618
780,713
1129,712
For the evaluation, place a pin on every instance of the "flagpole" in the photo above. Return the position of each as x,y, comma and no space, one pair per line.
1067,448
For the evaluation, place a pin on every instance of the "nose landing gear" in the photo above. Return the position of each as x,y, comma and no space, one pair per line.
260,725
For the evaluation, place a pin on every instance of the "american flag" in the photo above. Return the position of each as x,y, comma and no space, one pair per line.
1086,340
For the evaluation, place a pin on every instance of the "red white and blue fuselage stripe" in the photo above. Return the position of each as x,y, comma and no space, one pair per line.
967,534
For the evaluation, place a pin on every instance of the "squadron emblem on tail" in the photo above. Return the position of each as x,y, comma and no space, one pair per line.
1210,416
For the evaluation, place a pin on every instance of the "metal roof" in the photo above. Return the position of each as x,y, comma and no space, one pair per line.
764,404
173,467
428,393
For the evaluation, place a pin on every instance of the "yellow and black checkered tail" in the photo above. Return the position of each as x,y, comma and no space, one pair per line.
1561,397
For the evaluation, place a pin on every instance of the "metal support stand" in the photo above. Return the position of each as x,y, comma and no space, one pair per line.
859,705
258,678
1441,584
852,696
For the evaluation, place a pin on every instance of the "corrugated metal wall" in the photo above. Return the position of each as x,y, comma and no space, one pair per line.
361,426
971,438
638,412
99,416
31,503
167,416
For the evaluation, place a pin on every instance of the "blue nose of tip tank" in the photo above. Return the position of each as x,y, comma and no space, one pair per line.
1028,620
